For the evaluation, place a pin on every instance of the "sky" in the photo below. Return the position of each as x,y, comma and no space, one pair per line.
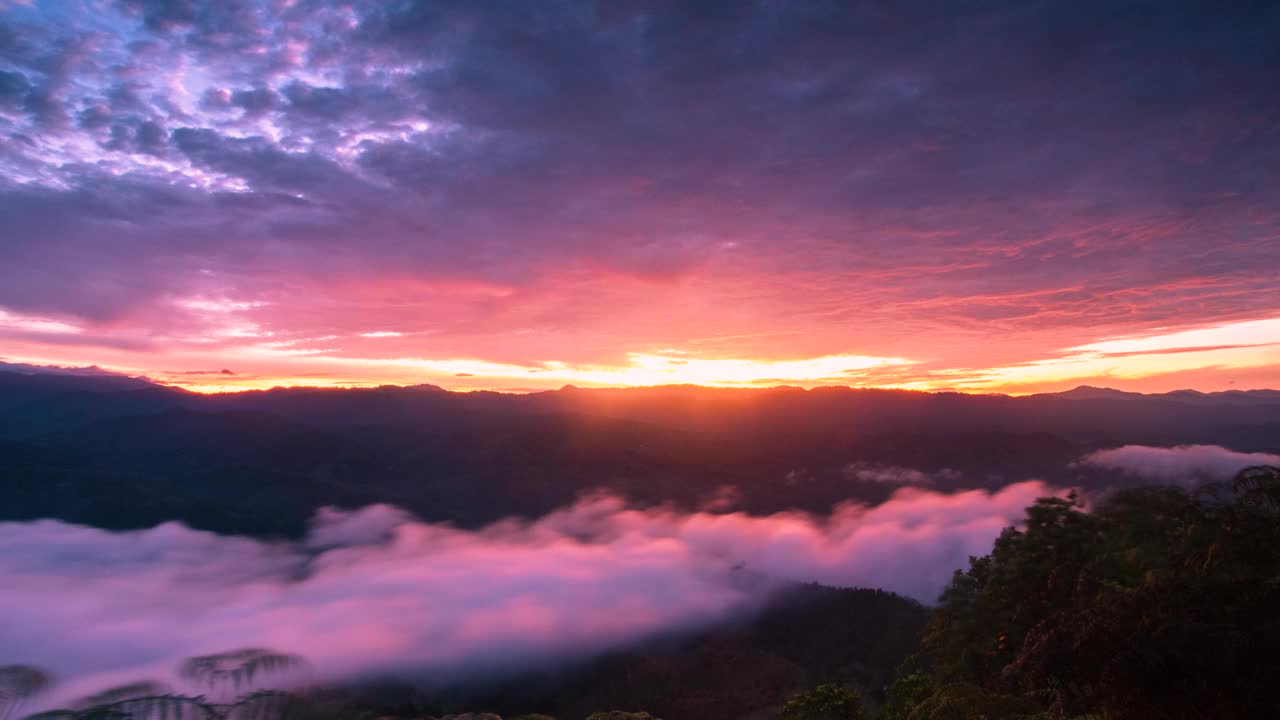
989,196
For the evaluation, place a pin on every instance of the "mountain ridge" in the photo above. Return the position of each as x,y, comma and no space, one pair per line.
130,453
1086,392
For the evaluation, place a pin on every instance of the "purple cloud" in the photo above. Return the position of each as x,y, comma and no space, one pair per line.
1047,175
375,590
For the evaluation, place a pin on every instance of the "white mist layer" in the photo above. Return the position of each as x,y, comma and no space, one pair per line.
1187,465
375,590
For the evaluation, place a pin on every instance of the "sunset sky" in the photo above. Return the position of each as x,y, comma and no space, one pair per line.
987,196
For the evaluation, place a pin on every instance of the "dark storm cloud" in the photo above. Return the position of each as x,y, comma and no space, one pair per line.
901,103
1022,152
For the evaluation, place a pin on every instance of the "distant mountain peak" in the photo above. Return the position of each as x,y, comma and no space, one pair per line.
91,377
1090,392
424,387
1235,397
87,371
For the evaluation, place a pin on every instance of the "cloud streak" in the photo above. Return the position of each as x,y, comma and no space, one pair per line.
375,590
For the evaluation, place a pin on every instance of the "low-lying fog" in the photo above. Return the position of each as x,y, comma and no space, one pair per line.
375,590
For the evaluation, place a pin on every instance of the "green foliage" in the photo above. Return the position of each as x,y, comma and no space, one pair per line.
963,701
907,691
1161,602
825,702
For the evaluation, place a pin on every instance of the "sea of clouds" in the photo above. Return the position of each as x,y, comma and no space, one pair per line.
376,590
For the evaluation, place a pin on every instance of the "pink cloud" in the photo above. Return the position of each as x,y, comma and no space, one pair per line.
375,590
1184,464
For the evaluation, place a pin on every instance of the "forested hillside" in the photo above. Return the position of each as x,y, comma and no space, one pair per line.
121,452
1157,603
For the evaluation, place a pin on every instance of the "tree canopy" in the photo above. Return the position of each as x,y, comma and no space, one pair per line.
1159,602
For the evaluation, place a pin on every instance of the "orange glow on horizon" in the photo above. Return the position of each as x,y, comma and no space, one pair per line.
1247,350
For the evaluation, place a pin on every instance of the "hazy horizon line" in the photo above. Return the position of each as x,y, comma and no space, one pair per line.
100,371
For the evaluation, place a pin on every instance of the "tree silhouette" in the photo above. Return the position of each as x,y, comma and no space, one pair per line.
1259,485
1159,602
825,702
18,683
237,668
222,672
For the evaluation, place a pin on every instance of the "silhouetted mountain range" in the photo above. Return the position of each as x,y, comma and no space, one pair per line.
124,452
